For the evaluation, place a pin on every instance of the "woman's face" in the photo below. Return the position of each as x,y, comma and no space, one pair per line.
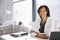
43,12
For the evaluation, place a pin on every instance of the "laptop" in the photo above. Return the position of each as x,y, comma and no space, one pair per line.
55,36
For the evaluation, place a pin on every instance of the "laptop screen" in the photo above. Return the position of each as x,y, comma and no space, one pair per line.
55,36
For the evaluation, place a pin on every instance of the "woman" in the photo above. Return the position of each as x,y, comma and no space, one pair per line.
43,25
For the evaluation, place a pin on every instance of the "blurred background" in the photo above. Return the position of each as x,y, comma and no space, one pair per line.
25,11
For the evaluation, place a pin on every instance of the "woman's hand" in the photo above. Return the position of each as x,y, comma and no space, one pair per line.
32,31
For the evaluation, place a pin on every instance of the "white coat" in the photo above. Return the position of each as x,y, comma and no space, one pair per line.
49,26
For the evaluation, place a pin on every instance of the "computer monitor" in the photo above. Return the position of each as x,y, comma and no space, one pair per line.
55,36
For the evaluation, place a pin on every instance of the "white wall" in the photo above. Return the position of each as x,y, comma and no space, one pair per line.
23,12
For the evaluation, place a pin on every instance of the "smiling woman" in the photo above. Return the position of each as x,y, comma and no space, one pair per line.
48,12
43,24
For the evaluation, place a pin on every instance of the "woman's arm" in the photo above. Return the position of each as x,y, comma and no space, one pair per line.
43,36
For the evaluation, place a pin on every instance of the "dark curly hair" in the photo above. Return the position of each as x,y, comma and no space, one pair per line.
47,9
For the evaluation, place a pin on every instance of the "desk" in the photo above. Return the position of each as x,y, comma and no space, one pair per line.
8,37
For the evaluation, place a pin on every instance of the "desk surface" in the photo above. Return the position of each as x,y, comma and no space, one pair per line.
8,37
